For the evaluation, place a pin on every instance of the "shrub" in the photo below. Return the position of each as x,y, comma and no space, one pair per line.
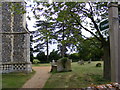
36,61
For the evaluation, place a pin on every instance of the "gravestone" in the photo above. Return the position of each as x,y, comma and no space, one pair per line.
53,66
89,61
68,65
53,63
60,66
14,38
81,62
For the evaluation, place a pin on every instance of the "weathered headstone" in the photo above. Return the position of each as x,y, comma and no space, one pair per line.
68,65
81,62
61,67
89,61
14,38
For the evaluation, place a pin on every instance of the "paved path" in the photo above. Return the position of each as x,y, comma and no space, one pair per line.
39,79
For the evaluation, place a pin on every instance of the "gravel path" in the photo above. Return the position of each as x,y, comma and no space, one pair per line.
39,79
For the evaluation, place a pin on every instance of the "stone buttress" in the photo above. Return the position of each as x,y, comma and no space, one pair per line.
14,38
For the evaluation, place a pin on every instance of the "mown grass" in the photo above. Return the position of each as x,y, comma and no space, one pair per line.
15,80
44,64
81,76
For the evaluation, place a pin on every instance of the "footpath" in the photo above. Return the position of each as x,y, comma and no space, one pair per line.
39,79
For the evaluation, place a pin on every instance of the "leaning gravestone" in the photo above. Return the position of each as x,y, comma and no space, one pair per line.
14,38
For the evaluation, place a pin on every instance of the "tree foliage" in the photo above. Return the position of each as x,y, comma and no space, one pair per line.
54,55
71,18
90,49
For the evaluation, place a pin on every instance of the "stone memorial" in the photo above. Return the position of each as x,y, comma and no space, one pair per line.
68,65
81,62
53,63
59,66
53,66
89,61
14,38
63,66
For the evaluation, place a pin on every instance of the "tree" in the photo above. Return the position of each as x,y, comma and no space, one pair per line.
63,29
90,49
54,55
75,57
31,49
41,57
43,35
83,16
80,13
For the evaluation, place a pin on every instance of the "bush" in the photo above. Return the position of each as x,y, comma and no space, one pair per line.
98,65
36,61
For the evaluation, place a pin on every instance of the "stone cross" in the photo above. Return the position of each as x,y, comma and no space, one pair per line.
14,38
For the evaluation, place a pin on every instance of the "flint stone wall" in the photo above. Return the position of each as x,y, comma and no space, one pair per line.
14,40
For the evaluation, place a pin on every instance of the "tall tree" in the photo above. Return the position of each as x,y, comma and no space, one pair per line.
63,28
90,49
83,16
44,35
95,13
88,15
31,49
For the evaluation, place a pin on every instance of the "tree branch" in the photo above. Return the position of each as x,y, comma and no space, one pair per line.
86,28
95,25
90,40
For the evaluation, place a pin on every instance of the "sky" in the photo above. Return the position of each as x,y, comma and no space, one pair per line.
31,23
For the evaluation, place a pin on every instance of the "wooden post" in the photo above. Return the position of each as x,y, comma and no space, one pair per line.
114,42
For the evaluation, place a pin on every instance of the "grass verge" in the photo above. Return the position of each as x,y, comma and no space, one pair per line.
44,64
15,80
81,76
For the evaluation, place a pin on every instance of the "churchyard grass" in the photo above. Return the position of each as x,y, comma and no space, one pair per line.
44,64
15,80
81,76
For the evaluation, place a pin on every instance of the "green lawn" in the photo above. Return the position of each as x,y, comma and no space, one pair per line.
44,64
15,80
80,77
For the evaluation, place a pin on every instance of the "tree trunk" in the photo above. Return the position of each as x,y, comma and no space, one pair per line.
47,51
107,63
63,45
63,50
